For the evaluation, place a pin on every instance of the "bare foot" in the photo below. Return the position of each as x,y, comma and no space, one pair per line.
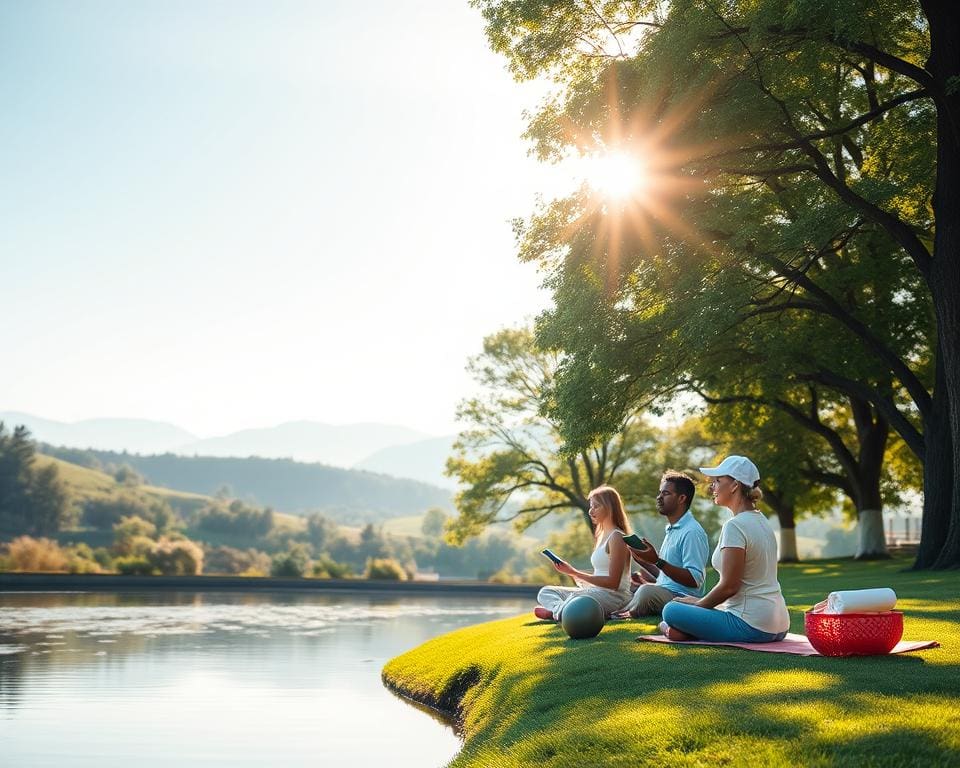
673,634
542,613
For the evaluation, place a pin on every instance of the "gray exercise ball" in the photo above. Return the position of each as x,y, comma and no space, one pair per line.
582,617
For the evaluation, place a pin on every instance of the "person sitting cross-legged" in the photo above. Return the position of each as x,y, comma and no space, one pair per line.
609,584
678,569
746,605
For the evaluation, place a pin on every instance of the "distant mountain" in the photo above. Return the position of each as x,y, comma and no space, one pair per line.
136,435
311,441
349,496
423,460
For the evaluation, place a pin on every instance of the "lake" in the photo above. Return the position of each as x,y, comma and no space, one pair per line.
175,679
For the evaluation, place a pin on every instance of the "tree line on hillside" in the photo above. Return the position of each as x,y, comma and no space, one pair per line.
132,530
789,261
349,496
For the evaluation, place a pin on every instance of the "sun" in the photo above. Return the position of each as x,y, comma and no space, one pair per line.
616,175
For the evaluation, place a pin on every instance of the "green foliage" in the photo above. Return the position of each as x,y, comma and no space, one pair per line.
236,518
134,565
574,544
127,475
105,512
325,567
780,251
82,559
384,568
291,564
434,522
32,500
133,537
527,695
321,531
511,461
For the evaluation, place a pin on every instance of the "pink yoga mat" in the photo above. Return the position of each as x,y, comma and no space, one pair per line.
795,644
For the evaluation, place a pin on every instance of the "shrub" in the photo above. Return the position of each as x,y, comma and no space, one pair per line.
236,518
236,561
106,513
81,559
291,564
384,568
25,553
133,565
176,557
133,536
127,475
325,567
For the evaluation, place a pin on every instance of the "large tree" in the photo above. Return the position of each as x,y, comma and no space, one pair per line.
32,501
508,461
791,142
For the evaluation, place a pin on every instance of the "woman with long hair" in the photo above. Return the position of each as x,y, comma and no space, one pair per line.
746,605
609,584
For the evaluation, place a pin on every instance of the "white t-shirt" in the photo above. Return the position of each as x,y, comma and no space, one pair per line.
759,601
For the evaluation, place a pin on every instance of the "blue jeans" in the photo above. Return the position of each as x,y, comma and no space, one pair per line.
714,626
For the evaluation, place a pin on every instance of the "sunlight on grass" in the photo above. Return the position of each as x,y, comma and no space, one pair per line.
768,683
535,697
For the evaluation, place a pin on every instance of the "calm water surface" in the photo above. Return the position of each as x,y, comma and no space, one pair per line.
229,679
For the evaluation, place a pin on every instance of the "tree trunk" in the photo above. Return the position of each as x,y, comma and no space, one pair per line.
937,476
788,545
944,277
872,433
788,525
871,543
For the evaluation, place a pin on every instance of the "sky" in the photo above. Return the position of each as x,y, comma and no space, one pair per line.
235,214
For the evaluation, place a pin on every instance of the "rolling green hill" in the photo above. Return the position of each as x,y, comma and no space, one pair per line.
85,484
348,496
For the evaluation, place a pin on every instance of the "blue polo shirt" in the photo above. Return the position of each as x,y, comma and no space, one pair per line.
685,545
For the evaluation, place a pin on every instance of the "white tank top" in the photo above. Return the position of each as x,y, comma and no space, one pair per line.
600,559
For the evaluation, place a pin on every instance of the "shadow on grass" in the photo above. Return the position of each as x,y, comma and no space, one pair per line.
544,699
679,703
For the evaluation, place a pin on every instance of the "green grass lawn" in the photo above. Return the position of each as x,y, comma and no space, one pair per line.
528,695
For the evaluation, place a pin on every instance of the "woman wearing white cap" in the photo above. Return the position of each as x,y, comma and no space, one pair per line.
746,605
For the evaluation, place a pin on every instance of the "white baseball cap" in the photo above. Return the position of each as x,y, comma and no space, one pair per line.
738,467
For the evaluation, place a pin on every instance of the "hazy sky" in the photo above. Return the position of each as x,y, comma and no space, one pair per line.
234,214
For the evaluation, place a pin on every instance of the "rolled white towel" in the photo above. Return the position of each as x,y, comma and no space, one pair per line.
861,600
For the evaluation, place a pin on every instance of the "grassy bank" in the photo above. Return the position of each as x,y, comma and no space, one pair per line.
528,695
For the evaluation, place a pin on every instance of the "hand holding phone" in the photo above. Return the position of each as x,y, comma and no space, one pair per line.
549,554
634,542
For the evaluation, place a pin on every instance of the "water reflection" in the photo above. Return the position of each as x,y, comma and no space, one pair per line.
236,679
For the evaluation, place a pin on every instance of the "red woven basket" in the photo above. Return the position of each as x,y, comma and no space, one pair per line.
854,634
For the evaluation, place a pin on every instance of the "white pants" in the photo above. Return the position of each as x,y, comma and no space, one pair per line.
554,598
649,600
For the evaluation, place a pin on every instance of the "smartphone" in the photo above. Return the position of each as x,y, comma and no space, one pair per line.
634,541
548,553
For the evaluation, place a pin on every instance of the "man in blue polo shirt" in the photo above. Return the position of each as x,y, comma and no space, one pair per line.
680,566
